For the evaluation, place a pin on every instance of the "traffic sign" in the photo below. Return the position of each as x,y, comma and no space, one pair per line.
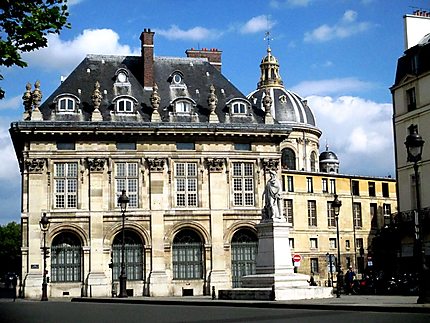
297,258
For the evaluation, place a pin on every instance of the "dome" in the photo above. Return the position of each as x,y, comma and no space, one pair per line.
425,40
287,106
328,156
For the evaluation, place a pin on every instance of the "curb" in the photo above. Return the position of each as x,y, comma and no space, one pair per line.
392,308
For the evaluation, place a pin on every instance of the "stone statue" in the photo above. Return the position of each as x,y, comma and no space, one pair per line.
212,99
155,97
36,96
27,101
272,199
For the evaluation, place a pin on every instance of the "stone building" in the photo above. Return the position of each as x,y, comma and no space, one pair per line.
193,154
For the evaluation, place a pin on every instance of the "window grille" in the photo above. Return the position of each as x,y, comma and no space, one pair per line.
187,256
66,185
243,184
186,184
127,179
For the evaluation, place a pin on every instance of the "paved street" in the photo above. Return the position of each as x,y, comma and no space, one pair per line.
205,310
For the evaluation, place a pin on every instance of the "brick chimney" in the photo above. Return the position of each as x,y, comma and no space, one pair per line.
147,49
213,55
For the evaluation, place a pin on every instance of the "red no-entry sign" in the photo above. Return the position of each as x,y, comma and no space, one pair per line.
297,258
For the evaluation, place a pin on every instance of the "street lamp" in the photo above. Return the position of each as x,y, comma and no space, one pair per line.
336,204
123,201
44,226
414,145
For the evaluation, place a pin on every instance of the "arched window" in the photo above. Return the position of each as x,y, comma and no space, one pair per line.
238,108
133,256
124,106
313,161
183,107
244,246
66,258
187,255
288,160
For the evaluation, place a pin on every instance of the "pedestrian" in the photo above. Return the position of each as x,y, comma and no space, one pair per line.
311,280
349,280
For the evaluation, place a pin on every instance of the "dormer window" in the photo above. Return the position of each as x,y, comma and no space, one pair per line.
124,106
176,79
183,107
66,103
121,76
238,108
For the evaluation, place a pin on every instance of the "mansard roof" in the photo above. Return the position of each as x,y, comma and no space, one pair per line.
197,73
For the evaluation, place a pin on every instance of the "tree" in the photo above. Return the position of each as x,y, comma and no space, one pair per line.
10,248
24,26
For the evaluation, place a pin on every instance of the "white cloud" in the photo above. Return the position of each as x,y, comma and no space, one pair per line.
359,131
331,86
12,103
63,55
257,24
346,27
196,33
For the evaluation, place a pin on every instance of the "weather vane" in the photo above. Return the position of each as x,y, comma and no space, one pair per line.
267,38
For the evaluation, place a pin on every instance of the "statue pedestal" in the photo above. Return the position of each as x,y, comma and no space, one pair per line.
275,278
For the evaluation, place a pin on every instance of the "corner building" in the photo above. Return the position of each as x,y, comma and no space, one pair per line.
193,154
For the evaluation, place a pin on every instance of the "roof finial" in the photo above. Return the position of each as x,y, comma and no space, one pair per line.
326,145
268,39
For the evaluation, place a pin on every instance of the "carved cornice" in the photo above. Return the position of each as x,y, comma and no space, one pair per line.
156,164
96,164
270,164
215,165
35,165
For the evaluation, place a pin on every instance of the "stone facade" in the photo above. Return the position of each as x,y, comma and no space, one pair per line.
193,154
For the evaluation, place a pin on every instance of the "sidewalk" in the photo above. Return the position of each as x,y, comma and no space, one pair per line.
373,303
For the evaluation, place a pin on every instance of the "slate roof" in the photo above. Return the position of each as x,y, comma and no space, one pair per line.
198,75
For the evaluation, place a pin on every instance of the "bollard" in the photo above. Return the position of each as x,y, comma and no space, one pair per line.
213,292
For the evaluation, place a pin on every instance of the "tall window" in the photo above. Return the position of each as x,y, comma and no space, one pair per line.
331,219
313,161
325,185
133,256
127,179
244,245
314,265
291,242
288,211
66,185
332,186
309,184
313,243
372,191
312,213
385,190
186,184
332,243
356,209
347,244
243,184
183,107
386,210
187,255
355,188
290,183
374,215
411,99
288,160
66,258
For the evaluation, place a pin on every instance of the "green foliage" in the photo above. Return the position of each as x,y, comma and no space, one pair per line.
10,248
24,26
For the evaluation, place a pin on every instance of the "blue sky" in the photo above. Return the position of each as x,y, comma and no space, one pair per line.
338,54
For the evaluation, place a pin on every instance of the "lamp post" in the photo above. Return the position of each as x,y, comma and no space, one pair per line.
123,201
336,204
44,226
414,145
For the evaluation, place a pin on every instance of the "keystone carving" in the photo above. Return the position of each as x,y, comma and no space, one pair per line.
270,164
215,165
35,165
96,164
156,164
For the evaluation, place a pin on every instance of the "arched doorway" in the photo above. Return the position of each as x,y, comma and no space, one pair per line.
244,247
187,255
133,256
66,258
